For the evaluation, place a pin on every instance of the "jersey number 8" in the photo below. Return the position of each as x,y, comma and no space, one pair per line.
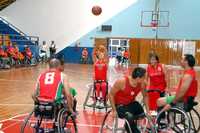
49,78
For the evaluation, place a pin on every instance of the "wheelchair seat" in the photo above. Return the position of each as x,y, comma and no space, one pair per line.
99,98
45,110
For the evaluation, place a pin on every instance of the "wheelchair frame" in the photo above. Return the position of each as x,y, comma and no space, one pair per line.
48,111
143,127
92,94
188,114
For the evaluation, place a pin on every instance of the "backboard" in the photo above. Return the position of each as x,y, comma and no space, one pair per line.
154,19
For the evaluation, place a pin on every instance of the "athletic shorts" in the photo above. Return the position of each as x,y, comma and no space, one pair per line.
170,99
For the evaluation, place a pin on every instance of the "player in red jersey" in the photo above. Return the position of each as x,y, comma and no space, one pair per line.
100,76
84,56
156,80
52,84
187,87
123,93
125,56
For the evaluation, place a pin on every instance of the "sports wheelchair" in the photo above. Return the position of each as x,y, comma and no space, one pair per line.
97,102
114,124
183,117
49,117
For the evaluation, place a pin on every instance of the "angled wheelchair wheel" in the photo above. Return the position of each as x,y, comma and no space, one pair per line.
145,124
31,125
195,120
33,61
107,124
90,91
175,120
64,124
112,124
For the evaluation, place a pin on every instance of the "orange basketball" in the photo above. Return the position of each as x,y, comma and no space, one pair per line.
96,10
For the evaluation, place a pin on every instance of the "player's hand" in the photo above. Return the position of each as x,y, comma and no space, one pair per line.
166,107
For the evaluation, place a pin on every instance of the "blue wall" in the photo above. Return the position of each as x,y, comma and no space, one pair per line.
184,22
73,54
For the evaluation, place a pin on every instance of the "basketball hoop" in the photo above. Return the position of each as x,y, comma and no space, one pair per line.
154,25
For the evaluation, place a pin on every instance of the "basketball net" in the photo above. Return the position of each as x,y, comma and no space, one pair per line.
154,25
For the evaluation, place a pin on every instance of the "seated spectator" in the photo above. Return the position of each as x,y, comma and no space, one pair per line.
3,53
11,52
28,55
3,58
19,57
28,52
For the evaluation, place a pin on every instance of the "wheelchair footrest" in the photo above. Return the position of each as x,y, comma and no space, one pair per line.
46,130
98,106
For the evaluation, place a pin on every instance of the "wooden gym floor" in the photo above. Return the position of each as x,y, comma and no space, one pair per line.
17,85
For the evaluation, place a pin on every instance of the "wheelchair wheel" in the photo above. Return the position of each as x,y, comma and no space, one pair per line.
88,95
111,124
33,61
175,120
31,125
195,120
145,124
63,120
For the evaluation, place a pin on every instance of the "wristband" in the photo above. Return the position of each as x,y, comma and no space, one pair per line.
172,104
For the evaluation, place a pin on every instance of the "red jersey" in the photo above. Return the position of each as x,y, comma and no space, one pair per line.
28,52
100,70
3,53
11,50
157,77
50,85
126,54
127,95
193,88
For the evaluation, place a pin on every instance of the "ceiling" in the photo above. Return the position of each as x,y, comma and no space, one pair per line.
5,3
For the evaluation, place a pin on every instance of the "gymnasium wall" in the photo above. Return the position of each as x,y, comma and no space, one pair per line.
63,21
184,22
184,25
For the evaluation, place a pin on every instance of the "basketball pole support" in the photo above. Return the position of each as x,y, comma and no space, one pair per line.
155,17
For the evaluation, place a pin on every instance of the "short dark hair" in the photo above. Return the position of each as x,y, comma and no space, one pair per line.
190,59
138,72
54,63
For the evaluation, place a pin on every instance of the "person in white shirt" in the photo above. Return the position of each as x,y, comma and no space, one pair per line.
43,51
52,49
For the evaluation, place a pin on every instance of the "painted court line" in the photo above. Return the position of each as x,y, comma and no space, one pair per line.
15,104
20,115
10,125
14,80
78,124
